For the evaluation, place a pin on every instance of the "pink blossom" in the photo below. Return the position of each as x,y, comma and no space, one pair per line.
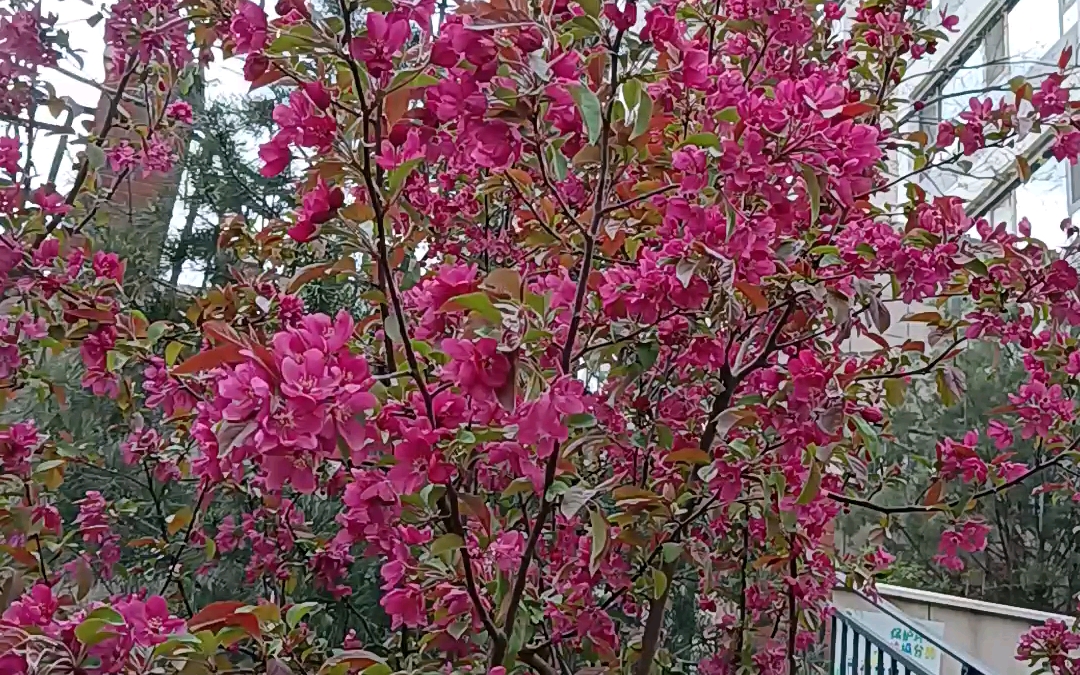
405,606
50,201
495,144
180,111
248,28
108,266
478,368
10,155
386,35
623,19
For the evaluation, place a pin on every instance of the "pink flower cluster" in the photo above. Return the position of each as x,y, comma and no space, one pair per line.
1052,644
128,628
287,408
95,524
18,443
970,536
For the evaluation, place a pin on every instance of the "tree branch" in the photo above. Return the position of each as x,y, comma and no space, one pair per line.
926,508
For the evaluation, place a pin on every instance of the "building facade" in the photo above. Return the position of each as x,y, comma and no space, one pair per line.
996,41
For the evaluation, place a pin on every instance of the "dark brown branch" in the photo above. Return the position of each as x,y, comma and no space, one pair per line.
546,506
639,198
926,508
174,563
892,374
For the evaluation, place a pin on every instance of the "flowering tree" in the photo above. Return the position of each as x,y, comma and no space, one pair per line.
611,268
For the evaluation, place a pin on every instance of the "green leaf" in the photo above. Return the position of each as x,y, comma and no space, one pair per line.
172,352
598,530
729,114
813,484
478,302
297,612
659,580
559,164
179,520
108,615
813,192
156,330
631,95
671,551
588,24
869,435
647,353
378,669
518,634
574,498
977,266
825,250
589,106
414,80
93,631
591,7
581,421
664,437
49,465
894,391
447,542
398,175
518,486
643,115
95,156
702,140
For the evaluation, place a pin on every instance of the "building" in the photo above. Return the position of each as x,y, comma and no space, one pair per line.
996,41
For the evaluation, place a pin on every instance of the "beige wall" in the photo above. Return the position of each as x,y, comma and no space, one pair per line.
988,632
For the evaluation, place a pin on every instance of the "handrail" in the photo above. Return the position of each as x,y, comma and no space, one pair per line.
971,665
911,667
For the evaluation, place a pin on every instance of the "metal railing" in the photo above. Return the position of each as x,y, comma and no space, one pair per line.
853,633
857,650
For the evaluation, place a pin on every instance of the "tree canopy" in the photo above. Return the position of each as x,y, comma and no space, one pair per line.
551,320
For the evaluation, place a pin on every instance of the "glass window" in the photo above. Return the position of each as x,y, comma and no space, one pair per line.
1033,27
1044,202
969,78
1068,15
1004,212
997,56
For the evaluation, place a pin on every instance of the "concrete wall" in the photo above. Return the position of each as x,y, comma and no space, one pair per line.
987,631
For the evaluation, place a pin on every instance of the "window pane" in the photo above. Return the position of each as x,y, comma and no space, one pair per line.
1042,200
1068,16
1033,27
971,77
1005,212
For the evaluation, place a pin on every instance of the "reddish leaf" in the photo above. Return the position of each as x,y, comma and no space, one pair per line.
248,622
856,109
269,77
211,358
520,177
396,104
358,659
219,331
306,274
218,615
933,495
213,613
753,294
507,393
92,314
